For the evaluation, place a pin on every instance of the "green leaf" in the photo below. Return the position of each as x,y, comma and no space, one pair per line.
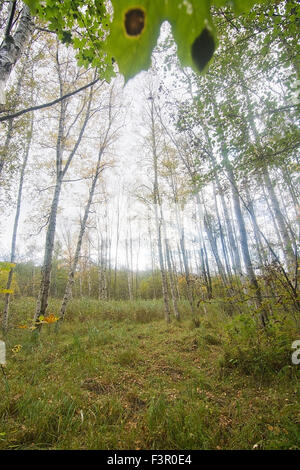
66,37
136,26
193,32
239,6
33,4
134,33
134,30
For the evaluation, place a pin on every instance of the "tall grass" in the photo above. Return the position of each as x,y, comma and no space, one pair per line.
115,376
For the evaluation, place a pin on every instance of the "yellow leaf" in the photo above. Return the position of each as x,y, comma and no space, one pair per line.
51,318
5,266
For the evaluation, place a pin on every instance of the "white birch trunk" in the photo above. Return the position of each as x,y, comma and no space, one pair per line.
15,231
12,48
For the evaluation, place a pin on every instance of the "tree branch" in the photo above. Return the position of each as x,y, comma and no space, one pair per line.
11,17
47,105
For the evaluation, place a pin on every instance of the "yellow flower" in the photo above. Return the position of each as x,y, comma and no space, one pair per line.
23,326
51,318
17,348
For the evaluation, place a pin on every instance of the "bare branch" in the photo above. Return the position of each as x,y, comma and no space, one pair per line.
47,105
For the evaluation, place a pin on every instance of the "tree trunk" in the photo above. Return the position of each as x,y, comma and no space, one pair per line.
171,276
288,250
70,282
15,229
236,261
61,171
222,237
129,278
13,46
257,237
158,221
42,302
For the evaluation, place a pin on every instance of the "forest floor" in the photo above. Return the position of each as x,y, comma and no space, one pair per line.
115,377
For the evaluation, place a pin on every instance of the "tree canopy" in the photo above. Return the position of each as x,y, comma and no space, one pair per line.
126,31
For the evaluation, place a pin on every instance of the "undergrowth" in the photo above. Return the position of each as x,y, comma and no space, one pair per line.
115,376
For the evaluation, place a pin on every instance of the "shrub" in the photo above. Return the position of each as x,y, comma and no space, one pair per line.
257,351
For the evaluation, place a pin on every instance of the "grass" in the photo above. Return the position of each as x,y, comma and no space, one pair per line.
116,376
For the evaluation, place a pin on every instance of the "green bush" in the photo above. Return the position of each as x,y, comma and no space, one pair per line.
252,350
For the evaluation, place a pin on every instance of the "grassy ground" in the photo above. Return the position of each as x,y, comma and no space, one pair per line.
117,377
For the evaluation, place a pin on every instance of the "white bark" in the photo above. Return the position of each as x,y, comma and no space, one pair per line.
12,48
15,229
42,302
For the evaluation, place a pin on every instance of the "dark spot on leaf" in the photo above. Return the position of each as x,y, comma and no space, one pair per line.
134,22
203,49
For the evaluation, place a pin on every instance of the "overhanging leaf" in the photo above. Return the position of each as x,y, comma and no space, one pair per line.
193,32
134,30
136,26
131,46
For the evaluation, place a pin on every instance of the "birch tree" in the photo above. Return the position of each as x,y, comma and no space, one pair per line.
14,42
16,226
62,165
106,138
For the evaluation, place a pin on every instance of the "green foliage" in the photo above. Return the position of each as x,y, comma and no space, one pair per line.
6,266
127,357
140,311
176,424
28,278
84,25
150,287
103,384
258,352
131,35
132,46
